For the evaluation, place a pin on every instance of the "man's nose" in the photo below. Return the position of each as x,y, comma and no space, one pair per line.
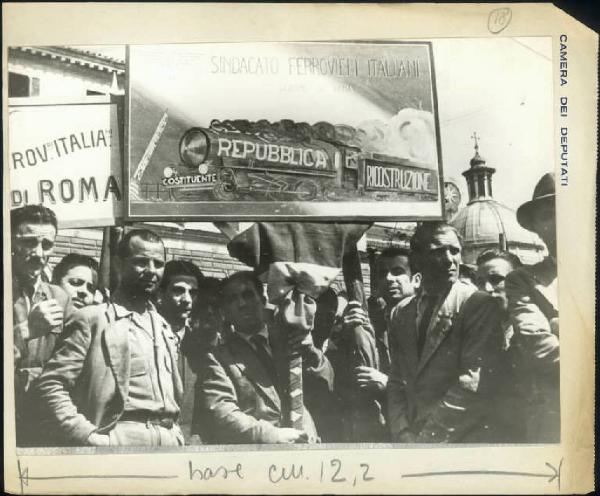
187,297
83,293
389,276
38,250
447,257
488,288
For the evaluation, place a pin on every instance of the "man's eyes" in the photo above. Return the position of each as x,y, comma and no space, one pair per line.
76,282
33,242
493,279
454,250
181,291
248,295
28,242
144,262
496,279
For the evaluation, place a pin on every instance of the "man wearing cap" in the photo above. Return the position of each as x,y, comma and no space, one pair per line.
533,306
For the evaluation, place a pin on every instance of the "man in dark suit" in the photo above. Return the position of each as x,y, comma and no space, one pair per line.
362,390
113,380
39,309
448,340
242,392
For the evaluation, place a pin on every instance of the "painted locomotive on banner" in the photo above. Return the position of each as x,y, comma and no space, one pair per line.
289,161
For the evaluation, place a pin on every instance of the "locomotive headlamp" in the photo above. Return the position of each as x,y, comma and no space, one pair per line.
168,172
193,147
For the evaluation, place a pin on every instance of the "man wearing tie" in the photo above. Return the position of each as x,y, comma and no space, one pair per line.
448,340
242,392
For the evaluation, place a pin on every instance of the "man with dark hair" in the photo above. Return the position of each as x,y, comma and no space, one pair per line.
242,392
493,266
113,379
206,322
39,309
448,342
533,305
78,276
396,279
176,298
362,390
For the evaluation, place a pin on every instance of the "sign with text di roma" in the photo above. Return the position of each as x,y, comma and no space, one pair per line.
67,157
269,131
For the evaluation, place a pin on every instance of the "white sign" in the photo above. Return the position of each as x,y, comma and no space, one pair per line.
282,131
67,157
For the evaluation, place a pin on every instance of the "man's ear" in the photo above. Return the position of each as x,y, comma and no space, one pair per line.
222,315
416,280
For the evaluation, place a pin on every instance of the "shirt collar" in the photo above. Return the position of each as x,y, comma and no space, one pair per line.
121,304
181,331
264,332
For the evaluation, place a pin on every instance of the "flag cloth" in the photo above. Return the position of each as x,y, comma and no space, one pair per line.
296,259
297,255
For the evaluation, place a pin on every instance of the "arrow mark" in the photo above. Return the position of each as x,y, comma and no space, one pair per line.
554,475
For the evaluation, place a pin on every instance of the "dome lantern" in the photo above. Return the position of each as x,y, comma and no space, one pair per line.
479,175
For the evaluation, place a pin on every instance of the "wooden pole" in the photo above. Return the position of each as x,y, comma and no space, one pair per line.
295,385
363,342
502,242
359,411
104,270
353,279
116,234
108,277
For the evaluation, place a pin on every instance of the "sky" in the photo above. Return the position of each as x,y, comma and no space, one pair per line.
500,88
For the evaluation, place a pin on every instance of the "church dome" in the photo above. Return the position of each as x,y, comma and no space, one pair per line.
485,223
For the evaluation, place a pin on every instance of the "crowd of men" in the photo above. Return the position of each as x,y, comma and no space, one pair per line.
171,357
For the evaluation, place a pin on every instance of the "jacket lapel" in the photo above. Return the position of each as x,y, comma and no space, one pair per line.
170,341
249,365
440,325
116,337
545,283
549,293
406,334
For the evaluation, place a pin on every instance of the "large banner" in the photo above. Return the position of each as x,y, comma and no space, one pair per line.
66,156
283,130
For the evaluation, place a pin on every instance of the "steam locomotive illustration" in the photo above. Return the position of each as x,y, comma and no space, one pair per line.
289,161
